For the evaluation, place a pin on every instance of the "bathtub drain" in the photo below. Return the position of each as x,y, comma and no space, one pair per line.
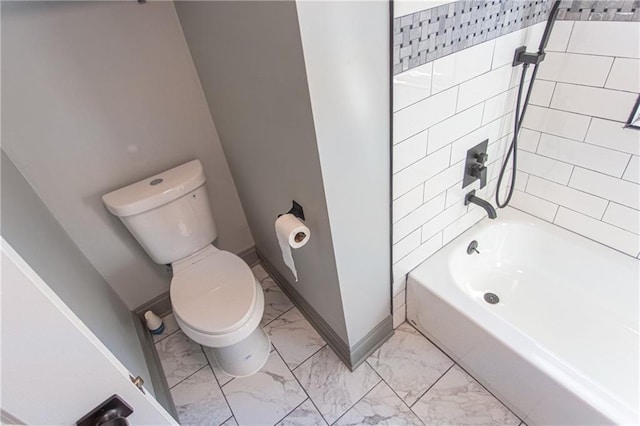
491,298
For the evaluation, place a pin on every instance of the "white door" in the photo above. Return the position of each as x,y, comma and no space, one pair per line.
54,369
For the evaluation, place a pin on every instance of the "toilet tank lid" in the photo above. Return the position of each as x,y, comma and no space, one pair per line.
156,190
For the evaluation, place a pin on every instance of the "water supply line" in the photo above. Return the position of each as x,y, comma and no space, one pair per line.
526,59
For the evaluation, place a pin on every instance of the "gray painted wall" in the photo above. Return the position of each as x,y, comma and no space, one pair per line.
97,95
347,63
35,234
249,58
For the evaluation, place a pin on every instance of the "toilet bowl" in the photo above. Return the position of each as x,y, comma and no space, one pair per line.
216,300
218,303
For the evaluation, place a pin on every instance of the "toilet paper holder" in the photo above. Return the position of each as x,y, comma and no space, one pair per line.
295,210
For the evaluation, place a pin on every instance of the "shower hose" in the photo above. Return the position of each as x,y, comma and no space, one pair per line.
512,152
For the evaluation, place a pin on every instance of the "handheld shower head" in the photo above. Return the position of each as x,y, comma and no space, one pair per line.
551,19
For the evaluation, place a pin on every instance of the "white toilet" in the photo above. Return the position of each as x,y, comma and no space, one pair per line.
216,300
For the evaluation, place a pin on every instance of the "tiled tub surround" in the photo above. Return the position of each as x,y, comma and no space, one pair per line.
426,35
408,381
442,109
577,355
579,166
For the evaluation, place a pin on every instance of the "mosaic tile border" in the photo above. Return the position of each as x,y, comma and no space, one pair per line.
430,34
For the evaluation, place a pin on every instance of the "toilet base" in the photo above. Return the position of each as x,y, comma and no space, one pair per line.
245,357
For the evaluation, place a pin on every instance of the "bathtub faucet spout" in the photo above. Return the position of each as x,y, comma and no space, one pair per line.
471,198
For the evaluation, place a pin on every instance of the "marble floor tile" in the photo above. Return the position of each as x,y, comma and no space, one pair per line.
305,415
265,397
409,363
457,399
170,327
259,272
294,338
230,422
330,384
180,357
199,400
275,301
223,378
379,407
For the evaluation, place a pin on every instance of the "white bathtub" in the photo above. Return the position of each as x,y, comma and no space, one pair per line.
561,346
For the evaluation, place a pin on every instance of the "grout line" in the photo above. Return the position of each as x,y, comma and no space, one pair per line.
219,385
542,132
206,365
604,212
556,212
566,48
300,384
582,235
609,73
307,358
391,387
587,132
574,113
408,137
164,337
408,191
362,397
457,86
294,409
410,164
433,384
566,186
431,79
396,394
420,205
595,87
626,167
553,93
459,366
574,165
281,314
581,214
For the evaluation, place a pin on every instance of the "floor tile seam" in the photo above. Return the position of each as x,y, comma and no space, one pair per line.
393,390
297,406
230,417
430,387
430,341
189,376
360,399
300,384
219,385
306,359
281,314
486,390
164,337
218,380
459,366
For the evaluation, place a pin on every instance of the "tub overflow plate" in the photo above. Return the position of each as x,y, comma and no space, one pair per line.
491,298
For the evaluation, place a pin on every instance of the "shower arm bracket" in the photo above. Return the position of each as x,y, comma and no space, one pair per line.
521,56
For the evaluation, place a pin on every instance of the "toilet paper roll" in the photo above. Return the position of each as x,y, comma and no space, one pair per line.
292,233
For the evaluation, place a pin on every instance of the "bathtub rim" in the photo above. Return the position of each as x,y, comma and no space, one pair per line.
509,335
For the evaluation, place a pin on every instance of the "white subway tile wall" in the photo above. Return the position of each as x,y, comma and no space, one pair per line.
467,102
577,165
624,75
584,170
613,39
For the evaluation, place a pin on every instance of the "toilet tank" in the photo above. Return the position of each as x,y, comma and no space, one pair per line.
168,214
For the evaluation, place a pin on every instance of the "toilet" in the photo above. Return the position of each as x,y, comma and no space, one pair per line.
216,299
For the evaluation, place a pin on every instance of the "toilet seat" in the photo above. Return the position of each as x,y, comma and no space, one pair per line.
213,292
